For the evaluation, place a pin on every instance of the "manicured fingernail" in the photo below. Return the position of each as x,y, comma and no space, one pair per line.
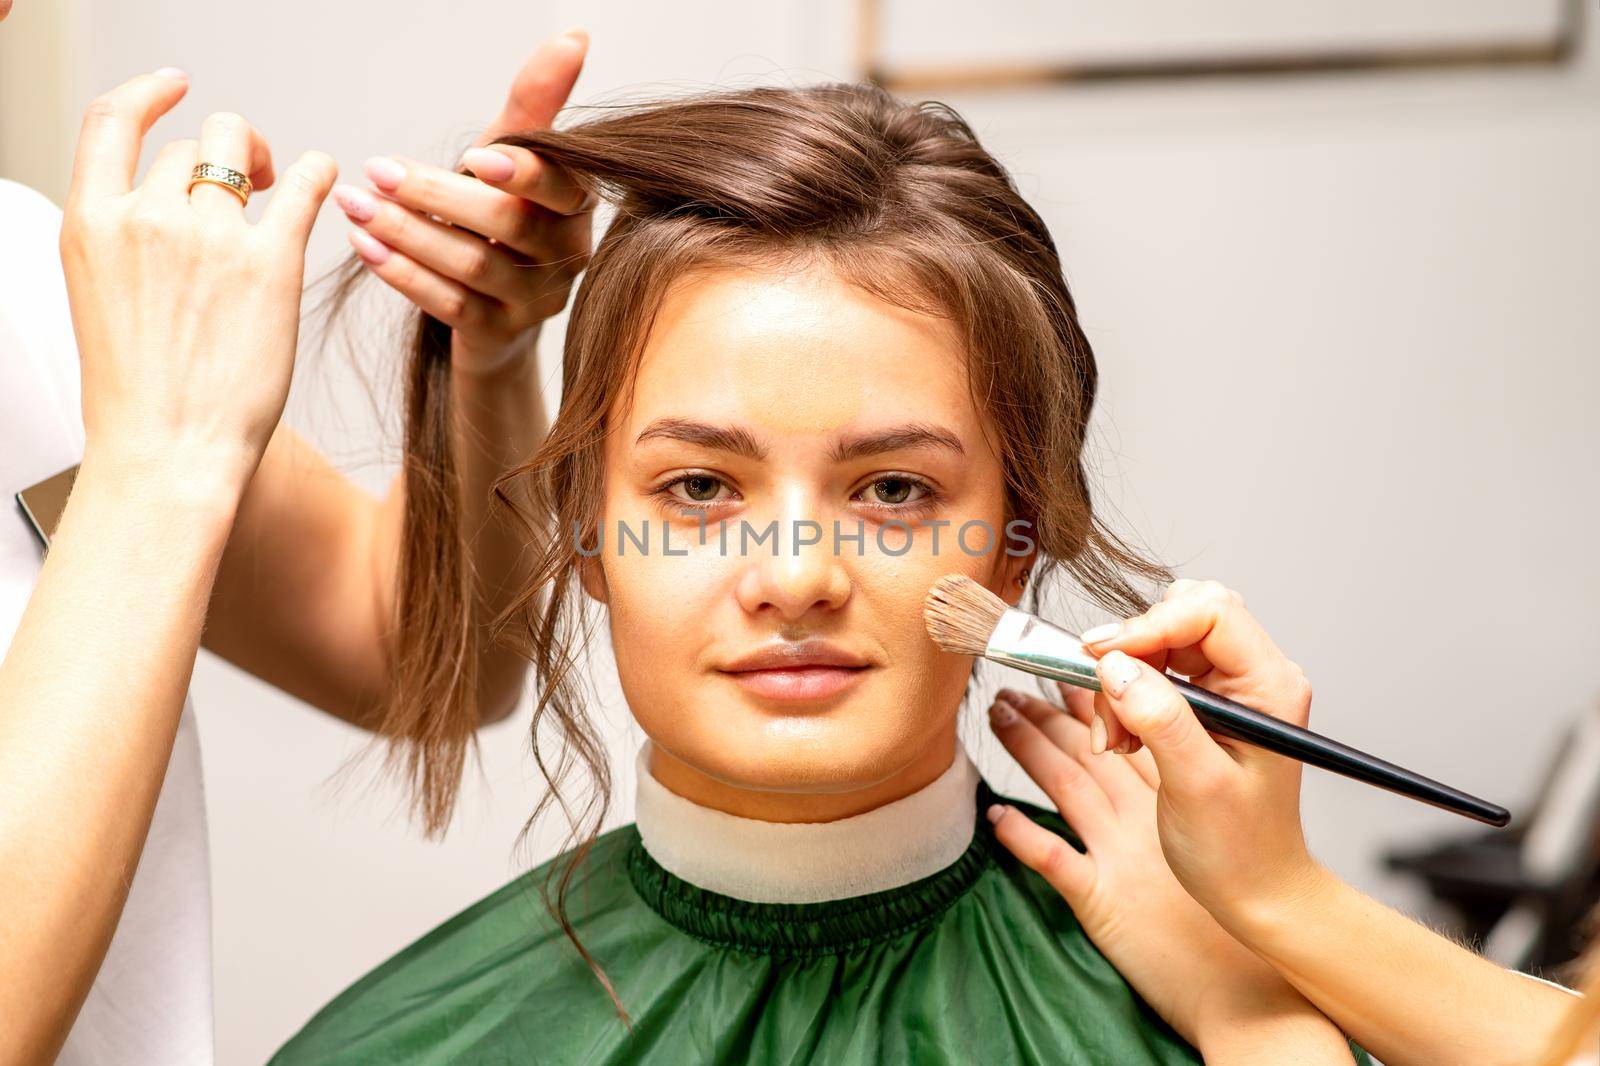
488,164
385,173
1099,633
577,33
1097,735
1001,714
369,247
355,202
1117,671
1125,747
995,812
172,72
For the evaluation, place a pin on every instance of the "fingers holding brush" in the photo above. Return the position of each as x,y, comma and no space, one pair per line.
1150,707
1229,818
1202,630
1085,705
1229,821
1118,884
1124,779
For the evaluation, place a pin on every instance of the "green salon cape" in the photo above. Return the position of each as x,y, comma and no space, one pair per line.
981,962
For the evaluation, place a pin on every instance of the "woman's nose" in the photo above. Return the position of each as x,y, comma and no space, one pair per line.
795,569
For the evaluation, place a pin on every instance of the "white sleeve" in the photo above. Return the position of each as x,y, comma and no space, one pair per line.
33,301
40,435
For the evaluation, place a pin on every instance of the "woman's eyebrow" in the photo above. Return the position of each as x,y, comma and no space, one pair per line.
740,441
734,439
898,438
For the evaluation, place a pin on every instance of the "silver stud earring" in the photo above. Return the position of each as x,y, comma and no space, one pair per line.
1022,578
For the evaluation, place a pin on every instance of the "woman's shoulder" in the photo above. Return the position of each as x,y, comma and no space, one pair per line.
509,938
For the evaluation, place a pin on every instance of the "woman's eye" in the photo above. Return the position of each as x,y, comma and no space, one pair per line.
698,488
895,491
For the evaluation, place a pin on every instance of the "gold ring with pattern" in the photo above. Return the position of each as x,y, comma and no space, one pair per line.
228,178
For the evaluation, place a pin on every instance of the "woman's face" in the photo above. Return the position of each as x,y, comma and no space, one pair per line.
769,407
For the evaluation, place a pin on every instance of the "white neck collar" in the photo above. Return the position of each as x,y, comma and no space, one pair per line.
807,862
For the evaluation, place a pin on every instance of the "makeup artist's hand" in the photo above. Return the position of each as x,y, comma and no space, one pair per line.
186,313
1215,992
494,252
1229,814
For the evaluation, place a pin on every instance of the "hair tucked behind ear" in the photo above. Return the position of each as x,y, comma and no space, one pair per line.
899,199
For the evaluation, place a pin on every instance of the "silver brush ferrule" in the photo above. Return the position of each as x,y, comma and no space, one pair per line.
1029,643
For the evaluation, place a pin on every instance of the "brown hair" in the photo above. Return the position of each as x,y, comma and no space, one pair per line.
897,198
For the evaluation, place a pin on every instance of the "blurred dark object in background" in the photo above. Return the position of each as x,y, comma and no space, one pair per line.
1525,893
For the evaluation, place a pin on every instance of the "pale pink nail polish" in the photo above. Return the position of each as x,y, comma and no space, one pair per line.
172,72
488,164
1099,633
355,202
369,247
385,173
995,812
1117,671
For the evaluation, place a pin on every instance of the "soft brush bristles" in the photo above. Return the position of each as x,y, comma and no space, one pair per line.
961,614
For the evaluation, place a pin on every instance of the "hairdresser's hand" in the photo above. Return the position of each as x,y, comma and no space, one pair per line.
186,313
1215,992
1229,813
494,252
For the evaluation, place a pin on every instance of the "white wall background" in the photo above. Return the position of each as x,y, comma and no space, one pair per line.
1346,326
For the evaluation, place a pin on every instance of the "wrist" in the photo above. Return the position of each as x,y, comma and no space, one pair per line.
500,414
199,484
470,362
1262,919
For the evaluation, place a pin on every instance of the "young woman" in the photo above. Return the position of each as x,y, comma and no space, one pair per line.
1227,819
823,356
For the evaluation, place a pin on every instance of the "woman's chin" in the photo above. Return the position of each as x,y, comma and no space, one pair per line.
776,746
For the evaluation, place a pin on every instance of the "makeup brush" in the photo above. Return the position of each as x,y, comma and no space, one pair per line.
965,618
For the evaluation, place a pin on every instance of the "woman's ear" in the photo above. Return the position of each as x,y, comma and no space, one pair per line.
1018,572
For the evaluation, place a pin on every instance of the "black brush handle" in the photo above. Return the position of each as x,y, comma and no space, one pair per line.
1226,718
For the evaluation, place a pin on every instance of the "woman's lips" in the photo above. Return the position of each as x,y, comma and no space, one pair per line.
800,682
